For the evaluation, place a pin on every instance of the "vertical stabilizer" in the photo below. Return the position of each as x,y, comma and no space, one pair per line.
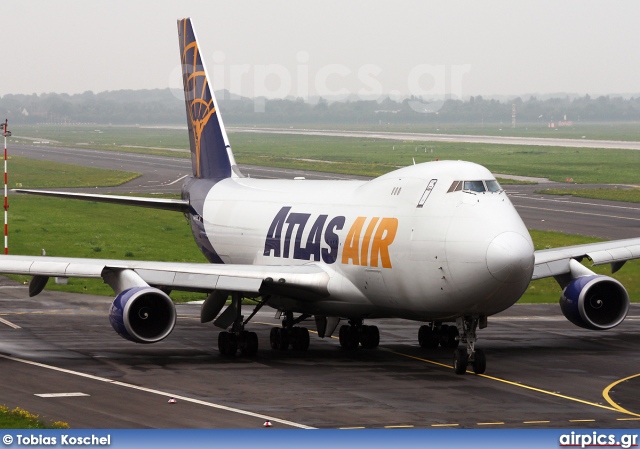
211,154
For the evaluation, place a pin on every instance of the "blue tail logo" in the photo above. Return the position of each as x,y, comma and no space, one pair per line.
211,154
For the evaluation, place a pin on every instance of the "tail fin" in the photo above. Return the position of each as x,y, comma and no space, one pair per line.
211,154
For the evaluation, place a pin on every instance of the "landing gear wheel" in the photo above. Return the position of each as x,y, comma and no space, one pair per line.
449,337
479,362
348,337
300,338
427,338
250,344
282,339
227,344
454,341
443,335
273,338
460,360
369,337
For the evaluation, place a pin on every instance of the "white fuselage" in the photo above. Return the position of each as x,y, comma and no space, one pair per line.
400,245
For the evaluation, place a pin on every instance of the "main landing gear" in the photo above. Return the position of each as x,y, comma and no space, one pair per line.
448,336
237,338
356,333
431,336
290,334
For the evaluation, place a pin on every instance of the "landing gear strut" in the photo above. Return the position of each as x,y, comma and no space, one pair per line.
290,334
468,354
356,333
237,338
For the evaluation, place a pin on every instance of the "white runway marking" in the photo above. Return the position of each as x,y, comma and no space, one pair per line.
576,212
160,393
60,395
524,196
9,323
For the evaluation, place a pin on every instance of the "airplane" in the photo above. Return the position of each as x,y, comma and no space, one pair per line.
438,243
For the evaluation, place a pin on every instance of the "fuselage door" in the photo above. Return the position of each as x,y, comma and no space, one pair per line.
427,192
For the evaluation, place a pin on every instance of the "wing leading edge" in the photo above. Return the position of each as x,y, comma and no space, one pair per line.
305,282
556,261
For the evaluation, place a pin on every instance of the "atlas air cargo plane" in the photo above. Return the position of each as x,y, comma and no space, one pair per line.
437,243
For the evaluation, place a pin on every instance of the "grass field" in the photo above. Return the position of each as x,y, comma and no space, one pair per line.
628,195
31,173
85,229
368,157
629,131
375,157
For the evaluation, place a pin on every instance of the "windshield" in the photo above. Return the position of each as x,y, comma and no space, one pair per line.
493,186
474,186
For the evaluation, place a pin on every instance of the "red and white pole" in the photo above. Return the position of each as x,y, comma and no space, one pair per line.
6,134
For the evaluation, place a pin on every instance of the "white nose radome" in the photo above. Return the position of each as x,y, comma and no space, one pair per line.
510,257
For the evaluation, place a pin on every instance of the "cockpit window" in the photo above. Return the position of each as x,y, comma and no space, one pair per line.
454,186
474,186
493,186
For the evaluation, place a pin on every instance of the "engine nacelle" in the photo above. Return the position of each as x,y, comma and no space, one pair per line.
143,314
595,302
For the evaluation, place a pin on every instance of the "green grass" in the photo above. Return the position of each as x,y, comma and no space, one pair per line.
614,194
22,419
31,173
515,182
371,157
547,290
629,131
375,157
85,229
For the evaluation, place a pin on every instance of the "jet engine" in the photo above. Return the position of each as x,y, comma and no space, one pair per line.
143,314
595,302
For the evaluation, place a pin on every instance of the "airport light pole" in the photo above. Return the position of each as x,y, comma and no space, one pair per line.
6,134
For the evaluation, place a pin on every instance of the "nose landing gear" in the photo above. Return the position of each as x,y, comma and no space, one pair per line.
468,354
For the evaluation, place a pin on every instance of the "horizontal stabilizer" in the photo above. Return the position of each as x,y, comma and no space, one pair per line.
154,203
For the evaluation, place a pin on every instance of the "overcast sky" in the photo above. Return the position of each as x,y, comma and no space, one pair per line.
279,48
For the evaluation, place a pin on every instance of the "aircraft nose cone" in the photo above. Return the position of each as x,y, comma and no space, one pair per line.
510,257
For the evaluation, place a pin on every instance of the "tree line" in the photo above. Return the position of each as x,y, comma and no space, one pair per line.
164,106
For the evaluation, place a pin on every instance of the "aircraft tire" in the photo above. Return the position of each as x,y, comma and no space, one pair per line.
427,338
479,362
273,338
227,344
250,347
369,337
303,338
283,339
460,361
349,337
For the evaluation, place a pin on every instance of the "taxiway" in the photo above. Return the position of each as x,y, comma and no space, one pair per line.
542,372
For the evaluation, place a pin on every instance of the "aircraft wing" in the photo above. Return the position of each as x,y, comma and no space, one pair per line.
555,261
154,203
299,281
